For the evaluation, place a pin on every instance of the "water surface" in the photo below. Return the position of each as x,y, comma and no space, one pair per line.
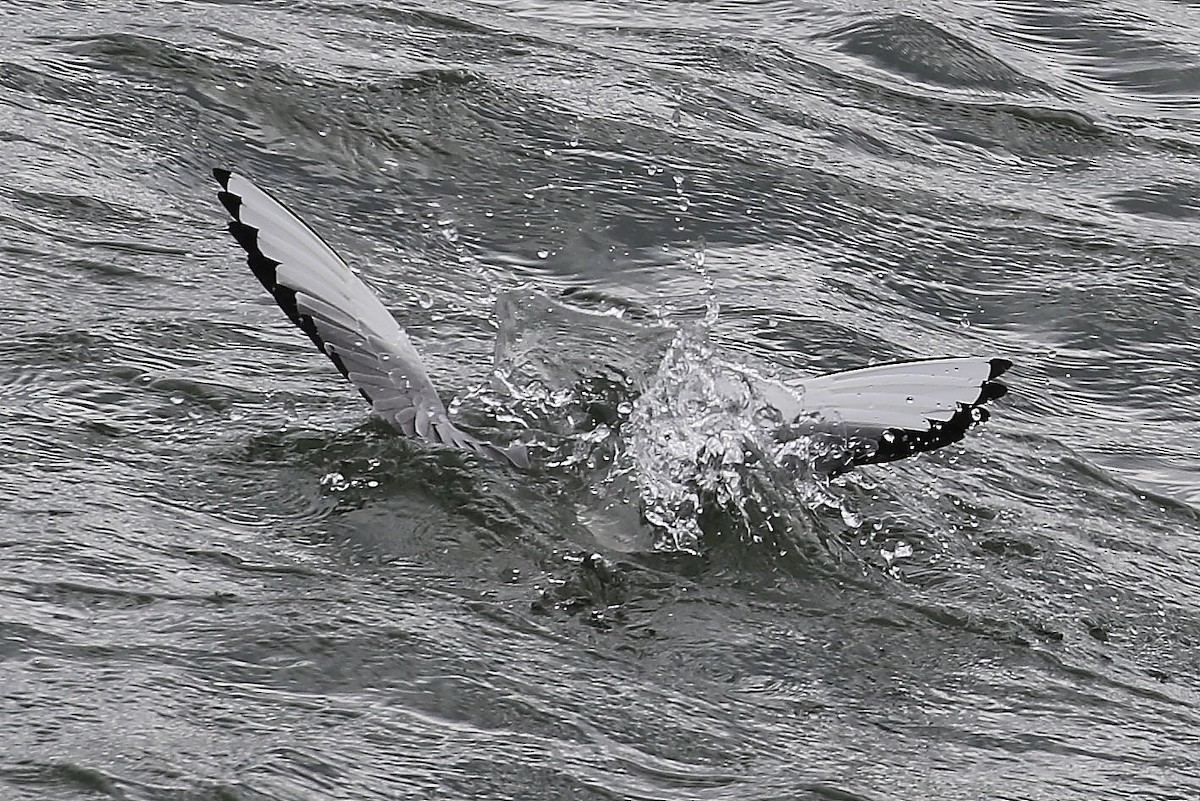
221,581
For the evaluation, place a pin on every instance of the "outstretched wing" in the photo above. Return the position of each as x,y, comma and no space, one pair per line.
891,411
343,317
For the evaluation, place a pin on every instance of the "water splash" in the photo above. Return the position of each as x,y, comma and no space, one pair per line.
703,448
567,375
659,431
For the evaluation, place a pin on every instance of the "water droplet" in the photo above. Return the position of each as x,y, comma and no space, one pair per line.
336,482
449,230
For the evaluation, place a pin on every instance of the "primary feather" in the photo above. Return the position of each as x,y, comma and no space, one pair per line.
346,320
890,411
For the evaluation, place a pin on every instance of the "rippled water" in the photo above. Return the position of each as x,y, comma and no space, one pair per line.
219,580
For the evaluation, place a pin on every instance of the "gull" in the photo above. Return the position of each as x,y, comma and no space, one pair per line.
875,414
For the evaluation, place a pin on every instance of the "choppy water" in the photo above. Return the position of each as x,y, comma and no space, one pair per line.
219,581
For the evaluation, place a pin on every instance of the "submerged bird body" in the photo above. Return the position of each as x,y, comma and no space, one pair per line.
874,414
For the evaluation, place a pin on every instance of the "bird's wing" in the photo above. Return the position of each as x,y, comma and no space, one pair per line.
891,411
343,317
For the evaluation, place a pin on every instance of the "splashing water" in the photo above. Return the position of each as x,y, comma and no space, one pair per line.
647,416
703,449
686,441
566,375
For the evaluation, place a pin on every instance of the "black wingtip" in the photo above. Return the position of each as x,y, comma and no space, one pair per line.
991,390
222,176
900,443
999,367
897,443
232,204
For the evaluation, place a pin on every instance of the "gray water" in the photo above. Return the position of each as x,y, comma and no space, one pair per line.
220,580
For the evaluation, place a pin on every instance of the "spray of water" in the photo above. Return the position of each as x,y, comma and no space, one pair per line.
703,448
655,427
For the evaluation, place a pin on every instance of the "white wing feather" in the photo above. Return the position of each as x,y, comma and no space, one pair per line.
322,295
904,395
891,411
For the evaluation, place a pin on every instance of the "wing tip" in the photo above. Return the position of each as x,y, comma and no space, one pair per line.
999,366
898,443
231,201
263,267
232,204
992,389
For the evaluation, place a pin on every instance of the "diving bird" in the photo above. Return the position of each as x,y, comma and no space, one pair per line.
875,414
